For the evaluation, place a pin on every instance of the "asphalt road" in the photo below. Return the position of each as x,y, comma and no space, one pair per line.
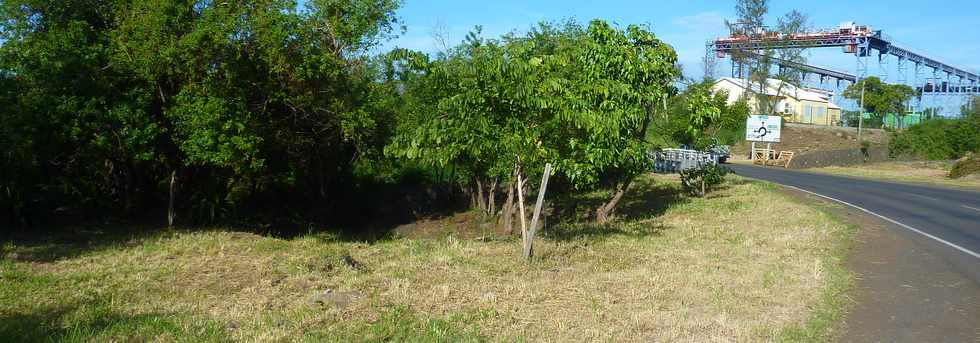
945,220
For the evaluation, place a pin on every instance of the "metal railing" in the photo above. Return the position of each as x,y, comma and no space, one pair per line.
668,161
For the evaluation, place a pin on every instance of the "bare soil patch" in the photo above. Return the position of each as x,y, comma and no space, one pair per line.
801,138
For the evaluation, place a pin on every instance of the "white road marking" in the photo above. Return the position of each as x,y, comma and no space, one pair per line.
972,208
937,239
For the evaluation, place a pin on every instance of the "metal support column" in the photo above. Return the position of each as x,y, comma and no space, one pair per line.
883,65
935,90
917,81
973,93
862,61
861,72
902,71
964,94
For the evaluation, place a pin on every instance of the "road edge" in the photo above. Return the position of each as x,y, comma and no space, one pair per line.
868,237
825,322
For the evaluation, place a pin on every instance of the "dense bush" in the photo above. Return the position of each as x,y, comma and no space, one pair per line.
242,103
117,107
938,139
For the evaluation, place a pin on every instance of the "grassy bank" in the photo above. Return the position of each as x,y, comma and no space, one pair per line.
925,172
746,263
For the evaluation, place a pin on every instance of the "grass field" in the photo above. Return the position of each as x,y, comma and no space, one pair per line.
924,172
721,268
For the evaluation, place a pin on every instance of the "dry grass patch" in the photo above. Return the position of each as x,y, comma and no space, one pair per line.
925,172
713,269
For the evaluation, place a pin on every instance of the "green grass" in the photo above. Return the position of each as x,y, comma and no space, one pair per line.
45,308
671,268
930,173
399,324
825,320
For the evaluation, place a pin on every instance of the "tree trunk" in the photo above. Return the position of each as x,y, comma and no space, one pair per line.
129,203
491,199
606,212
507,215
703,190
322,178
479,195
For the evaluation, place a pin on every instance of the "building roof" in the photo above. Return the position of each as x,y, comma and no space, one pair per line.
775,87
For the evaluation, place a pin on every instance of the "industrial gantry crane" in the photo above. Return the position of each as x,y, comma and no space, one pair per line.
858,40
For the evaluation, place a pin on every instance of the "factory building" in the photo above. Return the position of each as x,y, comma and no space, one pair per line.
795,104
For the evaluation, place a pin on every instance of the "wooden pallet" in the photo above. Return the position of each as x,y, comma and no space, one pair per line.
781,160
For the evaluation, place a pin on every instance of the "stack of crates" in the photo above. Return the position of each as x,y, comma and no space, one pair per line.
668,161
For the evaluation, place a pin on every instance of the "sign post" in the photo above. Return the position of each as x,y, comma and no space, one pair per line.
763,128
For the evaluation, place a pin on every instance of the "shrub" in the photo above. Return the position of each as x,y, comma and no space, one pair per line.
967,165
938,139
698,181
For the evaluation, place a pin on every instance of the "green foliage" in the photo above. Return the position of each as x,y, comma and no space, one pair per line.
103,100
700,118
880,98
577,97
704,109
701,180
758,65
253,102
865,145
938,139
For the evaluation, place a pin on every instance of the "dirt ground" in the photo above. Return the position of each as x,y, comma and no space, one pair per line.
802,138
465,225
904,291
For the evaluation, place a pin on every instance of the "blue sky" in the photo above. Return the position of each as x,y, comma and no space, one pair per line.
944,29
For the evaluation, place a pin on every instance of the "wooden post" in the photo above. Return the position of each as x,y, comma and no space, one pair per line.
492,201
537,212
170,206
861,112
520,205
768,153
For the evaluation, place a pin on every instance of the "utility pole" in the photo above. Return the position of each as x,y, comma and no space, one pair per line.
861,111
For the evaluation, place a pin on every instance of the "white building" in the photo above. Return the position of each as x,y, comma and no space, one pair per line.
796,104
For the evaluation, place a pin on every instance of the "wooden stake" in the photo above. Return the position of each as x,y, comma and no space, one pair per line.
537,212
170,207
520,205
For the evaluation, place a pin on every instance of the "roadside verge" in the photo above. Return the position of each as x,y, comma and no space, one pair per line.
903,290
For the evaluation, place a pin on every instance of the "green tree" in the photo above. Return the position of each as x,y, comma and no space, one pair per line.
700,118
972,109
704,120
580,98
758,64
238,100
880,98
